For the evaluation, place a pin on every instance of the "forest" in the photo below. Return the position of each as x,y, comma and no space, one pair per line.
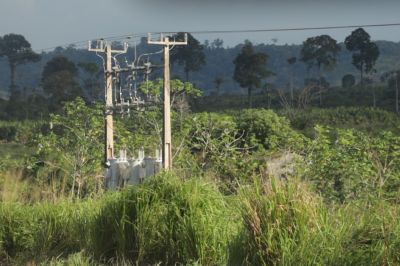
282,155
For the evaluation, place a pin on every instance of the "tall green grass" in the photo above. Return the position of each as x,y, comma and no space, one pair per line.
166,220
373,235
172,221
17,186
44,230
286,224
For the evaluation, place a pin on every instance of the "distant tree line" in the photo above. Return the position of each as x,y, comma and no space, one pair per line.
63,79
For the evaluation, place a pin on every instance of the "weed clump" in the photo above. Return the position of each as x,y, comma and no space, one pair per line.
166,220
173,221
285,224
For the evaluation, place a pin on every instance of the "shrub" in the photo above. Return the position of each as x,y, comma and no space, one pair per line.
264,129
72,151
219,149
368,120
165,220
347,164
8,132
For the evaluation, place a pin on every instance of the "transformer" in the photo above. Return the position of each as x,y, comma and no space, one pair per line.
125,171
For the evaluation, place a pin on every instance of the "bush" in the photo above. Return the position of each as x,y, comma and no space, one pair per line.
264,129
347,164
166,220
368,120
8,132
21,132
72,150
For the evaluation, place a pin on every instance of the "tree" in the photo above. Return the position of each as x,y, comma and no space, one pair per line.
58,64
365,52
59,81
291,61
179,92
250,69
74,145
267,89
18,51
91,82
190,56
393,79
348,81
178,89
320,51
217,44
218,82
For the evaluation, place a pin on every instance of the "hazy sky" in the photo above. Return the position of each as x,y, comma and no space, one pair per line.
48,23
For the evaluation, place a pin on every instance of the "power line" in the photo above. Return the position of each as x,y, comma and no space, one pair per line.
132,39
296,29
83,44
140,35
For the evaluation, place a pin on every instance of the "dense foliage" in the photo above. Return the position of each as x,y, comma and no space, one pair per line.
253,187
65,74
282,186
169,220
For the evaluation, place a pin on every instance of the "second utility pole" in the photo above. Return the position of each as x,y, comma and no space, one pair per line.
108,120
167,139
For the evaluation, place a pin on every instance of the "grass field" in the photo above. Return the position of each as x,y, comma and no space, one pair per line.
190,222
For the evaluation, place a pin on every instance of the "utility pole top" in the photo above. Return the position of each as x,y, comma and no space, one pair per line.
100,48
103,45
164,40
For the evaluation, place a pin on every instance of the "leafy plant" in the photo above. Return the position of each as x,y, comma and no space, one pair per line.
346,164
73,149
265,130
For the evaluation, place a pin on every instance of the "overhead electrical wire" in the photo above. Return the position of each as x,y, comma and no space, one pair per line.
129,37
295,29
83,44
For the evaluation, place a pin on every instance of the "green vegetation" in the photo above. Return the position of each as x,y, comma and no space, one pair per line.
368,120
365,52
190,56
171,220
211,68
250,69
18,51
59,81
283,184
248,188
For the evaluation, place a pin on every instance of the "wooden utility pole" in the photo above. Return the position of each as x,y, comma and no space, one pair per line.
108,121
167,140
397,92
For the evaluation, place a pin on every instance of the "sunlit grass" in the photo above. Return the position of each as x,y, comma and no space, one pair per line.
173,221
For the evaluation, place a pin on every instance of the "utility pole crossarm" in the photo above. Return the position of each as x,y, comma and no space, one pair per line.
165,40
100,49
123,51
103,46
